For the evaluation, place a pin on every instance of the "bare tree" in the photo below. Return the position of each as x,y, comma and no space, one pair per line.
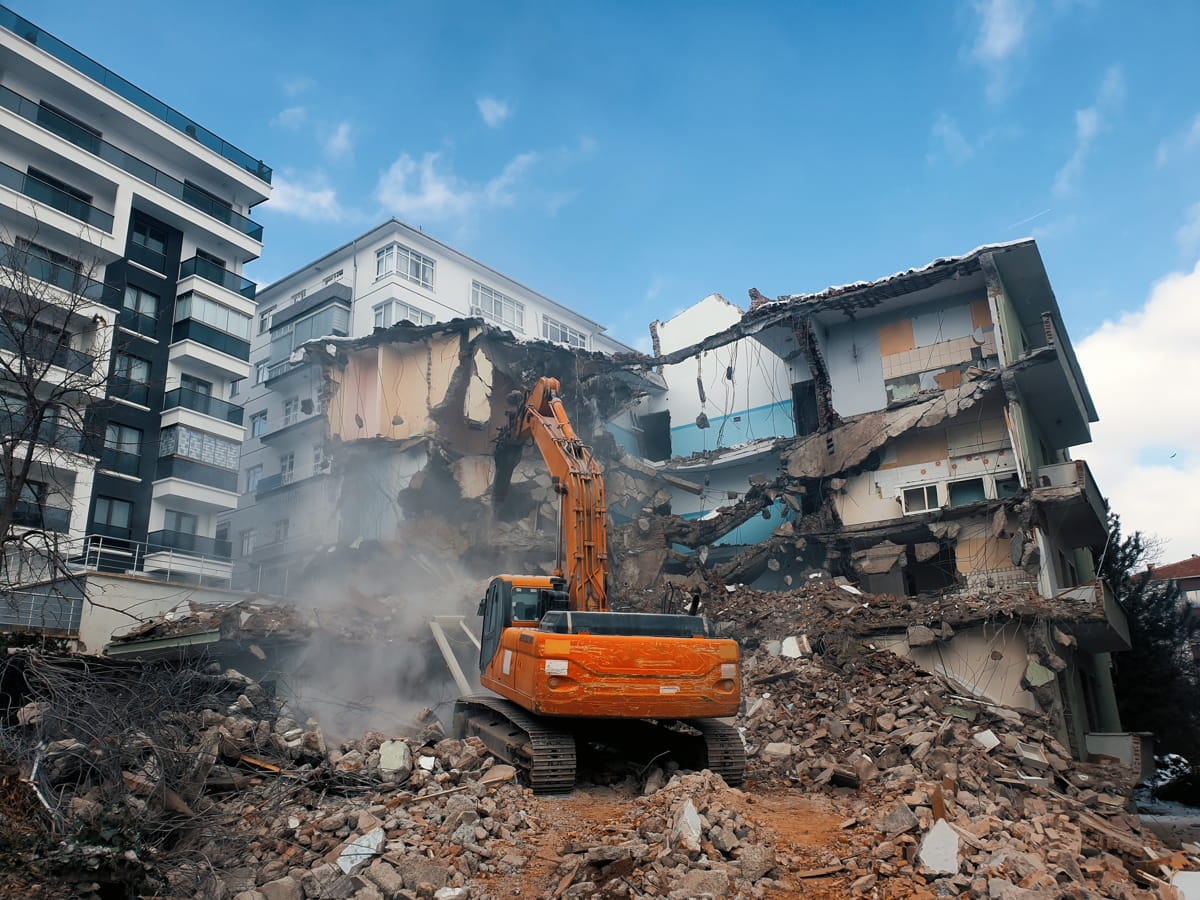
56,324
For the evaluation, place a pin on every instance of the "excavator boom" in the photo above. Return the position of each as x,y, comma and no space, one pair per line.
583,542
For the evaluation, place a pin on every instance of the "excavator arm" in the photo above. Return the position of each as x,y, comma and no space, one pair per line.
583,549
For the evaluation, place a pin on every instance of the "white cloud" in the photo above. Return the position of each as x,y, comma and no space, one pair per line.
1089,122
949,141
1146,448
339,145
305,197
494,111
425,191
1002,30
1179,144
291,118
1188,234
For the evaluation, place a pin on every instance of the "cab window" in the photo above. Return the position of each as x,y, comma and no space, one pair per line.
525,604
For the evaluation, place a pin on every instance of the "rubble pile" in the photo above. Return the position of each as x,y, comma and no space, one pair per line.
690,838
964,797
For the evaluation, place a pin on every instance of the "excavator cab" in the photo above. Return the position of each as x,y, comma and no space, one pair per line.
520,600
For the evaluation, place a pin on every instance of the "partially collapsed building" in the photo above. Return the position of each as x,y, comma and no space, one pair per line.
907,437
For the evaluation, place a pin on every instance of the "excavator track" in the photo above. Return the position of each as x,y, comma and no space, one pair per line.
544,753
725,751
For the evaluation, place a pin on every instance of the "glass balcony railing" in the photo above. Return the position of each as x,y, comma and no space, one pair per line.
193,330
188,543
204,404
52,196
214,273
201,473
120,461
44,350
34,515
50,432
136,321
151,259
81,137
127,389
67,278
118,85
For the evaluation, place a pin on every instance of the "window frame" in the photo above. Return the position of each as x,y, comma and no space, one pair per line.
549,322
481,292
258,423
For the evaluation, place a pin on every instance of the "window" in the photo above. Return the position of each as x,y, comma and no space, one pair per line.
281,529
49,179
561,333
921,498
191,443
1008,486
299,295
216,315
264,319
498,307
287,468
246,540
333,318
181,522
141,301
291,411
131,377
408,264
319,459
152,237
199,385
330,279
260,370
235,387
253,477
392,311
132,368
258,424
211,258
122,438
113,512
964,492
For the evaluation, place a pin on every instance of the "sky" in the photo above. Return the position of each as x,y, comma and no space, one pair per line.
629,158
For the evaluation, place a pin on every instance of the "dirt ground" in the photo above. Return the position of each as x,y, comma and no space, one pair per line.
805,832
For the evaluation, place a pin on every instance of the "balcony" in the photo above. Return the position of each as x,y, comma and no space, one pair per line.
196,472
188,543
282,481
50,432
128,389
67,54
195,330
145,256
1075,510
45,518
1098,621
202,268
44,350
204,404
119,461
65,277
51,196
297,424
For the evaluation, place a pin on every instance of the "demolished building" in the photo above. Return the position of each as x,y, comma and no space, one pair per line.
910,436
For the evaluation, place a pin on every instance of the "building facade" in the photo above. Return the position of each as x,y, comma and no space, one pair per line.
391,274
134,219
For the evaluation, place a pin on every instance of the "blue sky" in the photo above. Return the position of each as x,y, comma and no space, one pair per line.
629,158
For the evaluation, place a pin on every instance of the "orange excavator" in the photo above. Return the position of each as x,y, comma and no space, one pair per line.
571,673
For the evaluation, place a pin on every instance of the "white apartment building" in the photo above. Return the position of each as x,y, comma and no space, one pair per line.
391,274
109,194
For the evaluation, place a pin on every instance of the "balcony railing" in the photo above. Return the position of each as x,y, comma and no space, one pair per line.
47,518
214,273
188,543
200,473
52,196
120,461
127,389
283,480
64,277
195,330
136,321
50,432
203,403
118,85
43,350
147,257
